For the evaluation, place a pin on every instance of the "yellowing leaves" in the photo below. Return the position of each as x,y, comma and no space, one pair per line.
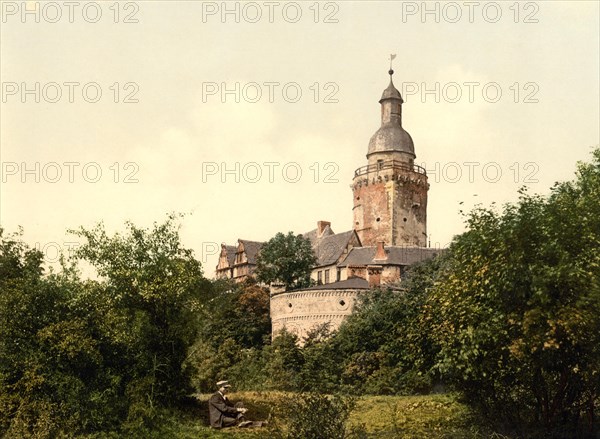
551,344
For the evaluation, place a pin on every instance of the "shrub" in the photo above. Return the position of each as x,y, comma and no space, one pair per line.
517,310
316,416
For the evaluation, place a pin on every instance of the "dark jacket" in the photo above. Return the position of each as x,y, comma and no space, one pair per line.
218,408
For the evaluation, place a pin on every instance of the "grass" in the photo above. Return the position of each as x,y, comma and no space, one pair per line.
397,417
431,416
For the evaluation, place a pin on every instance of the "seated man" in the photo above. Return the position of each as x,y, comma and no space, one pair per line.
222,412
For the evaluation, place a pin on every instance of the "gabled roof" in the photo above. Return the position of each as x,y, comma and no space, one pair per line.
251,248
355,283
396,255
230,249
329,249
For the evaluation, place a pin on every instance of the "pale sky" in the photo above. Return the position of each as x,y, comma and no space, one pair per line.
217,89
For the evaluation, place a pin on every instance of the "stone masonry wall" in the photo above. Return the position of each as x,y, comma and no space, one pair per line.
391,206
302,311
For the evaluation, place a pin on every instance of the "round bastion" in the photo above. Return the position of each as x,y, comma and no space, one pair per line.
301,311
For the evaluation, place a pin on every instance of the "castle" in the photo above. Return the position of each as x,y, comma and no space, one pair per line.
389,233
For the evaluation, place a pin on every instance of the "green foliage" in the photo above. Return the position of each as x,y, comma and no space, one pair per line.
509,315
381,417
431,416
284,361
52,379
378,350
321,362
233,329
382,347
317,416
236,311
82,356
153,287
516,310
286,258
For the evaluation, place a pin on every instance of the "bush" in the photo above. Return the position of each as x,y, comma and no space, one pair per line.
284,361
316,416
517,310
80,356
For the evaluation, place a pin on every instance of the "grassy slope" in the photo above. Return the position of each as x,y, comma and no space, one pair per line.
432,416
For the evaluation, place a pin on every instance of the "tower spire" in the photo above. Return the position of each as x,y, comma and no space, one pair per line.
390,92
390,193
391,138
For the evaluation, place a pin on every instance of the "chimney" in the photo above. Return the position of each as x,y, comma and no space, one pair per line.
380,254
321,227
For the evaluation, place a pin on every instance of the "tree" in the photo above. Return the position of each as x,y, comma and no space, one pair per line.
286,258
383,346
54,378
153,288
321,362
81,356
234,327
284,362
516,311
239,312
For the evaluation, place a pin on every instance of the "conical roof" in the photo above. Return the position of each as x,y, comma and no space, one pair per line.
391,137
391,92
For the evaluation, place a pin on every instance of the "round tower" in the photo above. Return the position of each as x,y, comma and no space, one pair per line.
390,192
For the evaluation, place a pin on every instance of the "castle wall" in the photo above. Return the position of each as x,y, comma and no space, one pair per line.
391,207
301,311
409,226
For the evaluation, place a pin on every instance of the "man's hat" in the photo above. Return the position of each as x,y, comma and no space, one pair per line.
223,384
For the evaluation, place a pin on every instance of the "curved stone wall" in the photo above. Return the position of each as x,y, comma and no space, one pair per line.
302,310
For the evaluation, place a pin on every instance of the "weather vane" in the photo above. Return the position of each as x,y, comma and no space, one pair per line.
392,56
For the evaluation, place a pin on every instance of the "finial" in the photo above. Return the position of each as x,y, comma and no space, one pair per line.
391,71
